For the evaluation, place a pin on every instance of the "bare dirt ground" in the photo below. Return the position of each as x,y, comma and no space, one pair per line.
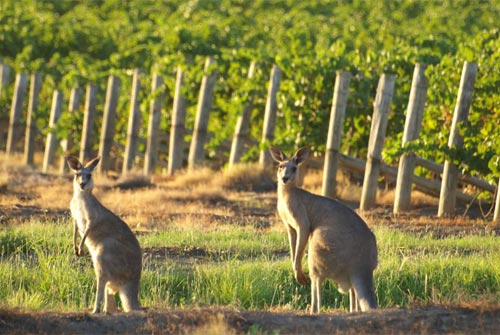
414,320
210,198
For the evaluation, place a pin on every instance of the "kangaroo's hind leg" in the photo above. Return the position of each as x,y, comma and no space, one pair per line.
316,283
109,301
353,301
363,285
99,297
129,296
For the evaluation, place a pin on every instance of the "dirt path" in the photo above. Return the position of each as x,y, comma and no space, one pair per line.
417,320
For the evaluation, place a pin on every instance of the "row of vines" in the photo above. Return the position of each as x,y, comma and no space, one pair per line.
72,43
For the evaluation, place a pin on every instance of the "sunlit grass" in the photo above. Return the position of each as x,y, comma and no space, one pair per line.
243,268
241,242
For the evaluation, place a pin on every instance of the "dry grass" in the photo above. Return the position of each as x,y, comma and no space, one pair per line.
217,324
186,179
246,177
203,198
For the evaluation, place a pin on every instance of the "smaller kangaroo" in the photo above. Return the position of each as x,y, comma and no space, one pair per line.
341,246
115,251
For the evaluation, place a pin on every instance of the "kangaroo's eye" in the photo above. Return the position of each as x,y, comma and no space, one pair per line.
294,169
78,174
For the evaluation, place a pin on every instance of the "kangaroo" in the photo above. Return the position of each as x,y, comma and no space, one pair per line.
341,246
115,251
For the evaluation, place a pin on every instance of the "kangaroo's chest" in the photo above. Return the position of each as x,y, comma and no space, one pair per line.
82,213
292,213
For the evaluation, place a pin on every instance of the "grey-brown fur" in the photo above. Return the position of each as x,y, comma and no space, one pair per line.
115,251
341,246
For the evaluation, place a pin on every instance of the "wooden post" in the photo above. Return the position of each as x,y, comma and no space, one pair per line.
153,125
496,215
108,123
196,150
339,104
15,113
4,77
88,123
134,120
35,86
67,143
242,126
381,108
4,81
51,144
413,124
265,159
447,198
176,145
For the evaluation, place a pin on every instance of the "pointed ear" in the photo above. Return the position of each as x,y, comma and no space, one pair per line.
301,155
73,163
93,163
277,154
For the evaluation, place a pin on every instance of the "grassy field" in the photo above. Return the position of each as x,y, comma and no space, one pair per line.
242,267
208,243
216,259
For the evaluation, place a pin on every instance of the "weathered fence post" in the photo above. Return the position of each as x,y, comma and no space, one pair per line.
176,145
196,150
51,143
381,108
447,198
88,123
35,86
133,124
496,215
242,126
108,123
265,159
339,104
413,123
15,113
153,125
67,143
4,77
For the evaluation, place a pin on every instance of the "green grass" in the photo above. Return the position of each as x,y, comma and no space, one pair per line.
443,270
243,268
241,243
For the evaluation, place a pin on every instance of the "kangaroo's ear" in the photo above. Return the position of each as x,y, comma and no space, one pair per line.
301,155
93,163
277,154
73,163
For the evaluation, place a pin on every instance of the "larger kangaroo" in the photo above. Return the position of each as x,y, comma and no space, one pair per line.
341,246
115,251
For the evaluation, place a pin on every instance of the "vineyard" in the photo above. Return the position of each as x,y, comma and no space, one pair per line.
215,253
73,43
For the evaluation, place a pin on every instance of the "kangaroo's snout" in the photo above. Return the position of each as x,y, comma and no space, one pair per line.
82,185
285,180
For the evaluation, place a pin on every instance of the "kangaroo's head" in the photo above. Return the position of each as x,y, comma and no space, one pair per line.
82,181
288,169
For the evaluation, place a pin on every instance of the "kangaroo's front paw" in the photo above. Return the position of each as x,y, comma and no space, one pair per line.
79,252
301,278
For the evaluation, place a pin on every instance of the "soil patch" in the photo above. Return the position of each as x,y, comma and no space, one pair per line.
215,320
